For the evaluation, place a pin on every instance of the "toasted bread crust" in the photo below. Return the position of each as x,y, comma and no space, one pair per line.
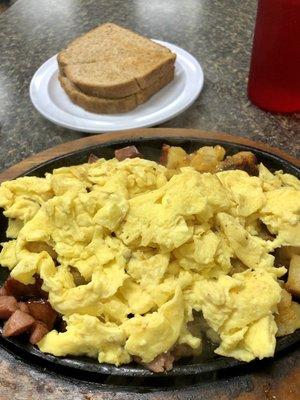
145,94
114,62
107,38
122,85
109,105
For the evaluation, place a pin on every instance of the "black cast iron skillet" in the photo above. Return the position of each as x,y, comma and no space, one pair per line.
149,142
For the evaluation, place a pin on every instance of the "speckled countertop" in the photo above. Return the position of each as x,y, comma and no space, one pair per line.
218,33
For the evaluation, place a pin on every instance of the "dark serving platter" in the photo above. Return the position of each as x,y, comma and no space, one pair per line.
149,143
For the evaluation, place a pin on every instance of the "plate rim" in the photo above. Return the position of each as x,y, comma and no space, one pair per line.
92,130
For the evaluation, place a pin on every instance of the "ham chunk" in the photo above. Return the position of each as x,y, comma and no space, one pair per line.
184,350
244,160
92,158
19,290
3,291
8,305
18,323
164,154
38,331
127,152
162,363
23,307
42,311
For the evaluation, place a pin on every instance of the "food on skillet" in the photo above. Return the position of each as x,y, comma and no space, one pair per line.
130,260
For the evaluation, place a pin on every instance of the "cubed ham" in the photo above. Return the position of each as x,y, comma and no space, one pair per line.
164,154
92,158
38,331
18,323
184,350
20,290
3,291
42,311
8,305
23,307
163,362
244,160
127,152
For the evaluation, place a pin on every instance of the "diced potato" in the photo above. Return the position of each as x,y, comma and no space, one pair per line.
285,253
207,158
293,282
174,157
288,317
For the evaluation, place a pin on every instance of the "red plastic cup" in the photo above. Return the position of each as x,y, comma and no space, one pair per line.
274,77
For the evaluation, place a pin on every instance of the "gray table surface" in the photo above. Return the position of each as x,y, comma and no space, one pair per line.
219,34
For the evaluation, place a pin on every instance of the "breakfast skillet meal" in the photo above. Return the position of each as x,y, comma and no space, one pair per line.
131,260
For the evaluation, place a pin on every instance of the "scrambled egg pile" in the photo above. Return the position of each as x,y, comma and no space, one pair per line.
128,252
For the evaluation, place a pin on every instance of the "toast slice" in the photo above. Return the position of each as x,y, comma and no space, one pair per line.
101,105
111,61
123,78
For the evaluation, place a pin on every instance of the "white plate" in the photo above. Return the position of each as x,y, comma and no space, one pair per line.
52,102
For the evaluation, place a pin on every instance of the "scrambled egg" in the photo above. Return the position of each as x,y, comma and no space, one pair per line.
128,253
